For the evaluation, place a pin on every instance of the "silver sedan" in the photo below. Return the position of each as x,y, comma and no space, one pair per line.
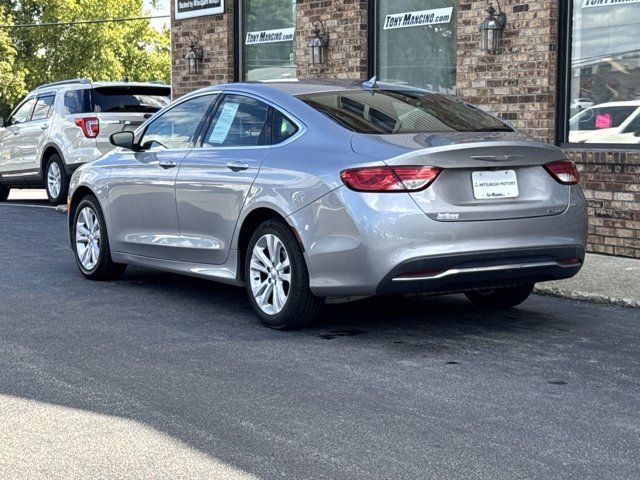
306,190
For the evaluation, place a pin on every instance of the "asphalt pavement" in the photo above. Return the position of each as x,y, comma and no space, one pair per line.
161,376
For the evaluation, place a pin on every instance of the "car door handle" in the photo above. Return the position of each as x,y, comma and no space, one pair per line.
167,163
44,126
237,166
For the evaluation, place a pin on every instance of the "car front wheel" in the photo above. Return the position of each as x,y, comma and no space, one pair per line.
57,182
91,243
277,279
500,297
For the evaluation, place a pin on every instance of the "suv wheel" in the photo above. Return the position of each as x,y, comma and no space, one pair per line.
277,278
4,193
91,243
500,297
57,182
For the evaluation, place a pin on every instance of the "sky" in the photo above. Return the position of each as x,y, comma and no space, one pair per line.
162,9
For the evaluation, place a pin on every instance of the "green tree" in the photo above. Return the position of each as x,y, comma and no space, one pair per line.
98,51
12,79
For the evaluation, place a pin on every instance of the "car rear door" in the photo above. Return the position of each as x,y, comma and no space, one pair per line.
142,199
215,178
34,133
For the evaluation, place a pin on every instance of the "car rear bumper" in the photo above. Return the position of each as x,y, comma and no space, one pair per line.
489,269
357,244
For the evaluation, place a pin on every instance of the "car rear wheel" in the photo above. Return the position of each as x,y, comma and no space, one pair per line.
277,279
500,297
91,243
4,193
57,182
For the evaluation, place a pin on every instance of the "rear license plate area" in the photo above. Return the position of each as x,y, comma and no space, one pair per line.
494,184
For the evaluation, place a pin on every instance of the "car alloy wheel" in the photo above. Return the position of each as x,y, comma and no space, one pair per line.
88,238
270,271
54,180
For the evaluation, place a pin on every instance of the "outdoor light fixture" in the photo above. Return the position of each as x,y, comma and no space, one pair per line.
318,44
193,57
491,29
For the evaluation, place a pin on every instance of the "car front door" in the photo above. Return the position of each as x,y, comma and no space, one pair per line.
215,178
12,161
143,214
33,134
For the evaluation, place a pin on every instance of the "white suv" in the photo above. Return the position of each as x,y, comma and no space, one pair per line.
61,125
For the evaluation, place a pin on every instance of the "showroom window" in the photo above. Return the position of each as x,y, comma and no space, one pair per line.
603,78
415,43
267,44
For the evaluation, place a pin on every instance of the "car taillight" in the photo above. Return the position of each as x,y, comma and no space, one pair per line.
90,126
389,179
564,171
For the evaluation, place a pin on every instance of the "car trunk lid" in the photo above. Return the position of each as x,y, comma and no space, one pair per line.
489,176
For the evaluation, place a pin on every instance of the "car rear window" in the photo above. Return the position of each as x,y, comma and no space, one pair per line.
129,99
388,111
117,99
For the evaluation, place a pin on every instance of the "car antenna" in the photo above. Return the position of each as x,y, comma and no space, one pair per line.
371,83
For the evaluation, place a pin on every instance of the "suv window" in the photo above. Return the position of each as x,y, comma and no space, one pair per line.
176,127
43,108
77,101
23,113
133,99
597,118
130,99
381,111
281,127
239,121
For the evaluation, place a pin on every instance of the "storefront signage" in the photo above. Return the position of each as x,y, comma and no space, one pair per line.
419,19
270,36
198,8
606,3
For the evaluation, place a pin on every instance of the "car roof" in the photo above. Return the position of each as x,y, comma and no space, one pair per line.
307,86
86,84
627,103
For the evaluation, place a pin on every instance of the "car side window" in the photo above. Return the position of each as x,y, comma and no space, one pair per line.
281,128
43,108
239,121
23,113
176,127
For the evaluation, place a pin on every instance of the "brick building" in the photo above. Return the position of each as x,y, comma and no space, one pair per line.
566,72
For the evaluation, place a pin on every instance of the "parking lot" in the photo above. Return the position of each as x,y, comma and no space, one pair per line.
163,376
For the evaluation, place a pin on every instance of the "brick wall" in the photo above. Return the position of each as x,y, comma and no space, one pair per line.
346,23
611,183
519,84
215,34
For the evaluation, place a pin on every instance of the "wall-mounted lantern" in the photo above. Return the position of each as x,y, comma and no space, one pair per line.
491,29
193,57
318,45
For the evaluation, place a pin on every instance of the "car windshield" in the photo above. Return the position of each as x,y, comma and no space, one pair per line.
130,99
598,118
401,111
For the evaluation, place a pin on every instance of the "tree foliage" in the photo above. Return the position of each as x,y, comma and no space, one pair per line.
98,51
12,79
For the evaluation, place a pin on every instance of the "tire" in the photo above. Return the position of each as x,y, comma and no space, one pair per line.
100,266
4,193
500,297
300,307
56,181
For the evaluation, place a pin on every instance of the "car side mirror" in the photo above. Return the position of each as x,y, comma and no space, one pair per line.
123,139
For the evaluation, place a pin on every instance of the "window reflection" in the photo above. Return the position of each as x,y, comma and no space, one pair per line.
416,43
605,73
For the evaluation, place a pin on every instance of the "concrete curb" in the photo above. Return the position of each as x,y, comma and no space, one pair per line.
585,297
61,209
